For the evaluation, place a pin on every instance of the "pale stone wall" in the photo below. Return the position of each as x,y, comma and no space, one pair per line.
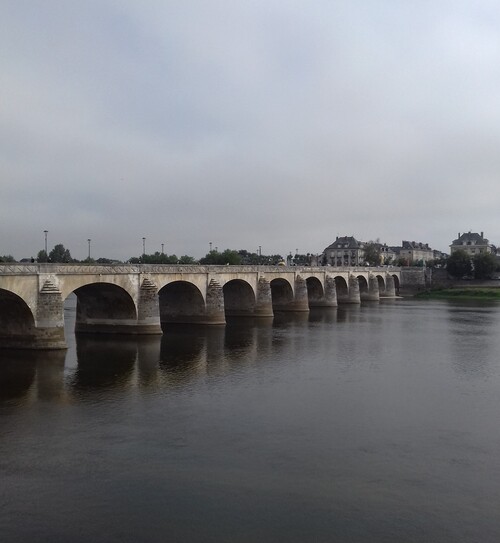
413,280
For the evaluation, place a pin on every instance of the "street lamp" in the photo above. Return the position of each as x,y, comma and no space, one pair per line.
143,246
162,248
89,240
46,232
210,245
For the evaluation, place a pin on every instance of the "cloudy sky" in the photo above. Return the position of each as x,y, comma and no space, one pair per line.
279,123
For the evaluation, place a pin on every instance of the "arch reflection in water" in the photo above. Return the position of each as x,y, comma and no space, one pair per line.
148,359
182,353
17,374
191,352
240,337
104,361
327,315
26,377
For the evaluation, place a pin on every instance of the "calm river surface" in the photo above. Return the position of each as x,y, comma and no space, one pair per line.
378,423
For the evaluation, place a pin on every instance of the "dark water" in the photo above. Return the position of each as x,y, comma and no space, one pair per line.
378,423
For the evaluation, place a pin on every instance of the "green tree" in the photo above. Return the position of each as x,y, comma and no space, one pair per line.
372,253
185,259
484,265
60,254
401,261
159,258
302,260
42,256
226,257
7,258
459,264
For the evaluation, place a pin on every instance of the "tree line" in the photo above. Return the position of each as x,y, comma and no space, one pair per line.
60,254
458,265
482,266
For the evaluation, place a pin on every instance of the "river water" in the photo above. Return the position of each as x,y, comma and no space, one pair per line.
378,423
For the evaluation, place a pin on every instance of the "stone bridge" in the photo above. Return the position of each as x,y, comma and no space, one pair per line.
140,299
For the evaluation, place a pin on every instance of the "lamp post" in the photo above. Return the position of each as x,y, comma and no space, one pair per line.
46,232
143,246
162,248
210,245
89,240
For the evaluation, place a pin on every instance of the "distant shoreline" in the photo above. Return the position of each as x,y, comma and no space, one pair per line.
469,293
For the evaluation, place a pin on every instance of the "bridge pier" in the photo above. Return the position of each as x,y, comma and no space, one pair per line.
353,295
300,302
330,292
214,312
301,299
373,293
264,300
390,289
148,309
49,331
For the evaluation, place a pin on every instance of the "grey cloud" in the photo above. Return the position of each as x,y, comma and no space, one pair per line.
274,123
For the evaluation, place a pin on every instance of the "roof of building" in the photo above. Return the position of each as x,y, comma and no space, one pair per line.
346,242
416,245
470,238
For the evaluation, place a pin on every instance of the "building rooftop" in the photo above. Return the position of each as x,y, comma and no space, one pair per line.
345,242
470,238
415,245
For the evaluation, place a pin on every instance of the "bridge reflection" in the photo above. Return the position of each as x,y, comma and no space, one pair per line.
96,364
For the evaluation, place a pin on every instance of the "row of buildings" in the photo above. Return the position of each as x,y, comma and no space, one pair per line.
348,251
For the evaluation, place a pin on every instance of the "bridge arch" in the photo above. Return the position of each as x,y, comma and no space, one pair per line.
17,323
363,285
104,308
396,284
381,283
71,283
281,293
315,291
342,288
239,298
181,302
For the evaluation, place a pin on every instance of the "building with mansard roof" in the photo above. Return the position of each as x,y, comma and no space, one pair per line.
344,251
472,243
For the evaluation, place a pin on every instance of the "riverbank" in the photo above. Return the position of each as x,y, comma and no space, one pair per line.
469,293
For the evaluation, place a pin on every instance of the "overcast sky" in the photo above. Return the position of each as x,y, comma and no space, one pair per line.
279,123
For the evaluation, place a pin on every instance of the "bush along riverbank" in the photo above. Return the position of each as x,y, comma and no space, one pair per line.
471,293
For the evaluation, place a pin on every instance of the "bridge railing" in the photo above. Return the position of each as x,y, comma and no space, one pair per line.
42,268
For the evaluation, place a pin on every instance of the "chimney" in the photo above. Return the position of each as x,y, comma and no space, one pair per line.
482,234
459,234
